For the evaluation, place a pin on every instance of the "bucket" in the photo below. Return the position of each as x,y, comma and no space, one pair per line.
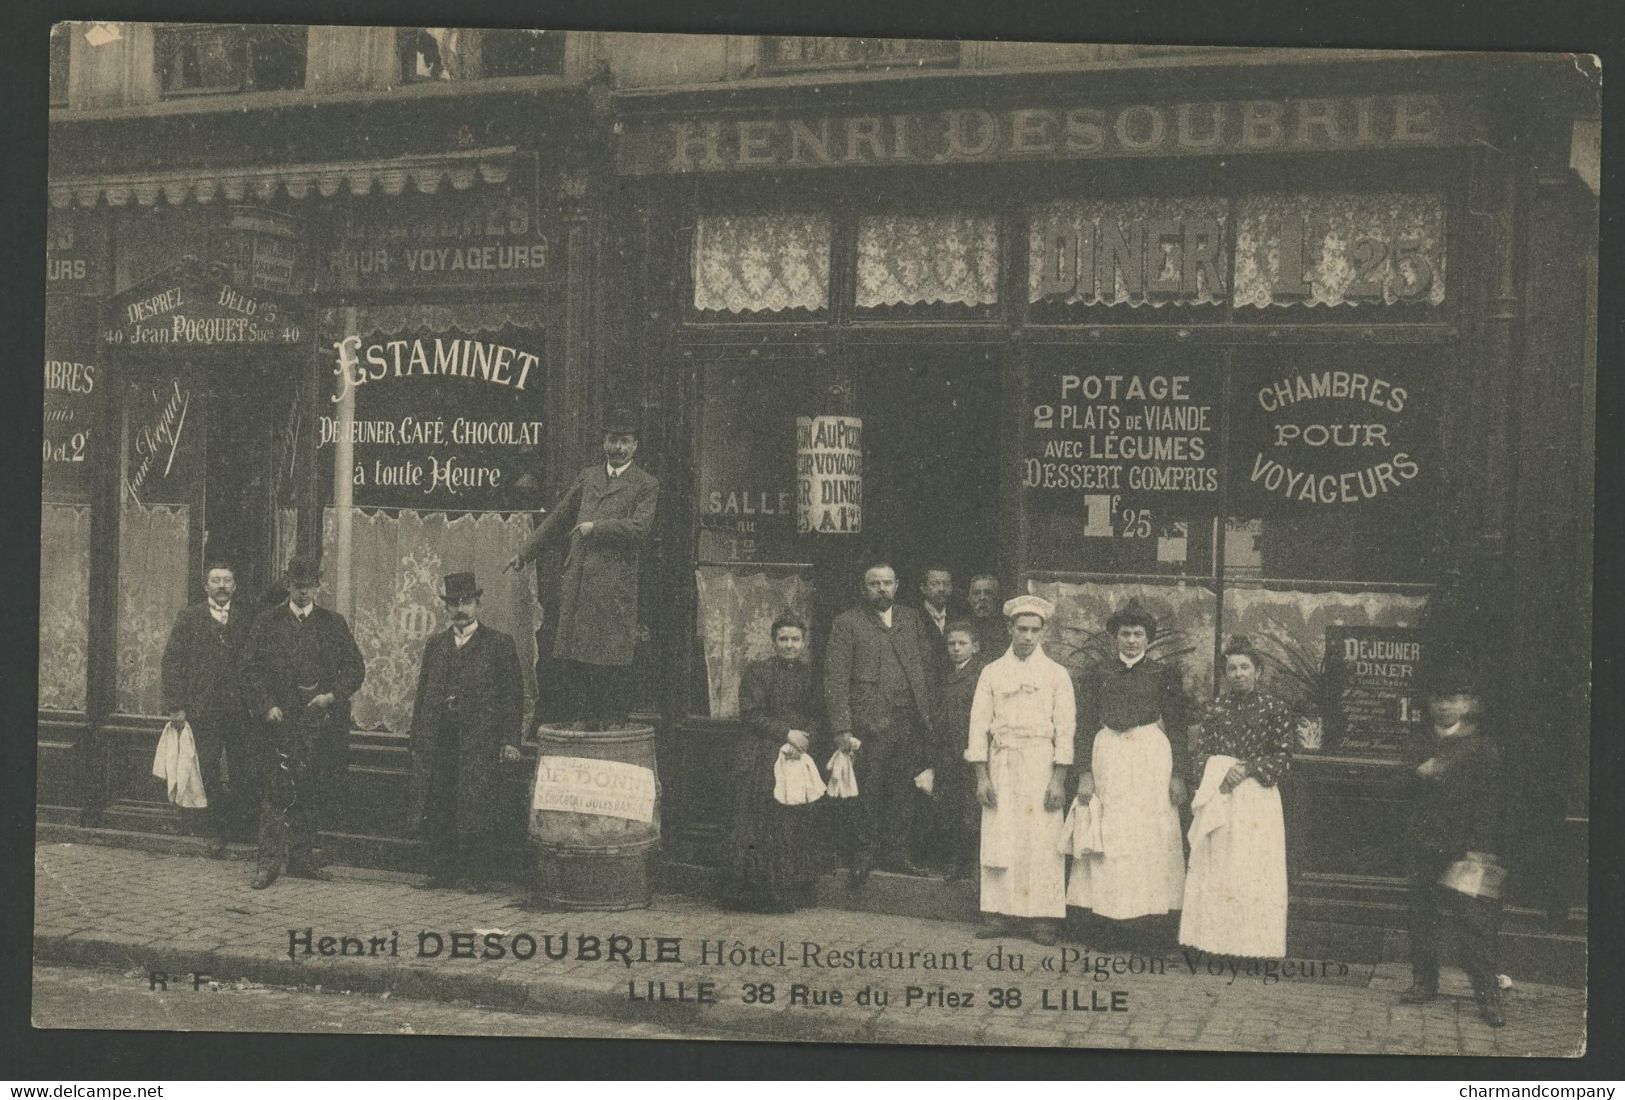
594,817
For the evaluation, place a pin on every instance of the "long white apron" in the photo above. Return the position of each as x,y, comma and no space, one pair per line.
1023,871
1142,870
1235,894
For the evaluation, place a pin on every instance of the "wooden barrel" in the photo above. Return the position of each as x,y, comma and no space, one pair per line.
594,817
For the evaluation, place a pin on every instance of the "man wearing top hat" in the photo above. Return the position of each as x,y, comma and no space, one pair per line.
1022,723
603,521
300,668
465,723
1134,762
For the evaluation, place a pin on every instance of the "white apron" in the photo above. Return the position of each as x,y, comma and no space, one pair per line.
1235,894
1023,870
1142,870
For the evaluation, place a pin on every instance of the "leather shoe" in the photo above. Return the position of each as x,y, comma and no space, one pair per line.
263,878
1418,994
1489,1010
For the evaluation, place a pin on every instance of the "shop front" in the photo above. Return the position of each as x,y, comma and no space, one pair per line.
1246,355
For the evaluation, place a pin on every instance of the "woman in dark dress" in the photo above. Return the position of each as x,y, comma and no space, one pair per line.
771,865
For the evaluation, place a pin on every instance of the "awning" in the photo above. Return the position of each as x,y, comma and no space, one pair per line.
469,317
426,174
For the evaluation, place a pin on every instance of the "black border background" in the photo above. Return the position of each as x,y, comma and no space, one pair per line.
1582,26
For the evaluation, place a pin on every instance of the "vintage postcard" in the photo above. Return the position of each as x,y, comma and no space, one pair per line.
816,539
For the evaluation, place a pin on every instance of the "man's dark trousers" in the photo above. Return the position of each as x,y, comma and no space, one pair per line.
1478,922
886,765
451,853
298,790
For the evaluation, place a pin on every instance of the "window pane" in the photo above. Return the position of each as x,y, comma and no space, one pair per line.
60,35
762,263
908,261
737,607
521,52
1129,252
64,612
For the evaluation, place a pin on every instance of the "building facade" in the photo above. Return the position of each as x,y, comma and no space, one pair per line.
1293,345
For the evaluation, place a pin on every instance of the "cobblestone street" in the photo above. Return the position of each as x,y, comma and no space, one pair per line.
142,912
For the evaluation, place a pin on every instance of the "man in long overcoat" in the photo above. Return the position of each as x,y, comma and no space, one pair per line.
203,686
301,667
876,690
606,517
465,723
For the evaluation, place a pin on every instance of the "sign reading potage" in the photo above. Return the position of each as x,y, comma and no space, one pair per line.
1373,669
829,474
442,421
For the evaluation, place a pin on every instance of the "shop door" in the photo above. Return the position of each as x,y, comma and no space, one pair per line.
931,463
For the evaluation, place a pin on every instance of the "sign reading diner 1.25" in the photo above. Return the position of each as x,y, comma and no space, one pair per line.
1120,438
1372,671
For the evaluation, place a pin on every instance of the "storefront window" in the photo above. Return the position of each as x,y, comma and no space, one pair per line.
467,53
761,263
160,469
73,389
205,60
948,259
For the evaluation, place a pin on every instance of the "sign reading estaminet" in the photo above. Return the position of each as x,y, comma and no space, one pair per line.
607,788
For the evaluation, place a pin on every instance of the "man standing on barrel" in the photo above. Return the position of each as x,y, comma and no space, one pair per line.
302,666
464,723
605,518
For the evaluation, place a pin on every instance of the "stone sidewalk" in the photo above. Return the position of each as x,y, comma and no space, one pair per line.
685,963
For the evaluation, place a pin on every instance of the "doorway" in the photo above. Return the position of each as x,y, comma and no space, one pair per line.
931,463
251,452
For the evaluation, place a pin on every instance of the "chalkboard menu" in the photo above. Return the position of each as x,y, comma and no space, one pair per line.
444,420
1372,672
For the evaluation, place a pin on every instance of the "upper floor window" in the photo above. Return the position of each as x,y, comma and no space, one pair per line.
214,59
788,53
59,63
467,53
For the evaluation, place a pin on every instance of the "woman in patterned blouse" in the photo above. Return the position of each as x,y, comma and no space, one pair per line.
1235,890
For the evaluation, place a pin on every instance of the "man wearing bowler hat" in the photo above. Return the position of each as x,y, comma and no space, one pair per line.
465,722
603,521
301,667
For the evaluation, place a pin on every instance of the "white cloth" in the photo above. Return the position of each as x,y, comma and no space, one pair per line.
175,763
1021,724
1081,835
1142,870
843,781
796,782
1235,893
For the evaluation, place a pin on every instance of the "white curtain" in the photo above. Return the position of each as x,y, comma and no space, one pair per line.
757,263
154,584
908,260
737,609
398,560
64,605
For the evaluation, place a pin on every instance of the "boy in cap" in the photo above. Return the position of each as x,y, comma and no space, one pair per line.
1022,724
465,722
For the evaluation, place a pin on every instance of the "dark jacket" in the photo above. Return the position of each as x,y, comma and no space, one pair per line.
775,697
1459,809
858,642
1121,697
285,658
598,589
475,696
951,714
203,664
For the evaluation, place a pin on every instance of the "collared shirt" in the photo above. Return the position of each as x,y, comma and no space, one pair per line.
461,635
885,617
1130,664
617,471
221,612
1023,701
940,618
300,613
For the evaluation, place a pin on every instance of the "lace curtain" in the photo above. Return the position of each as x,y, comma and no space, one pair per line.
1387,247
64,605
737,609
154,584
398,560
910,261
761,263
1085,221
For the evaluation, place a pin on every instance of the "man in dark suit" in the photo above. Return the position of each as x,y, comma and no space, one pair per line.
203,685
301,666
465,723
877,699
936,590
606,517
987,616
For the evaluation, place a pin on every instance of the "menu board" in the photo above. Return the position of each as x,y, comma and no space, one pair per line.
1372,671
443,421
